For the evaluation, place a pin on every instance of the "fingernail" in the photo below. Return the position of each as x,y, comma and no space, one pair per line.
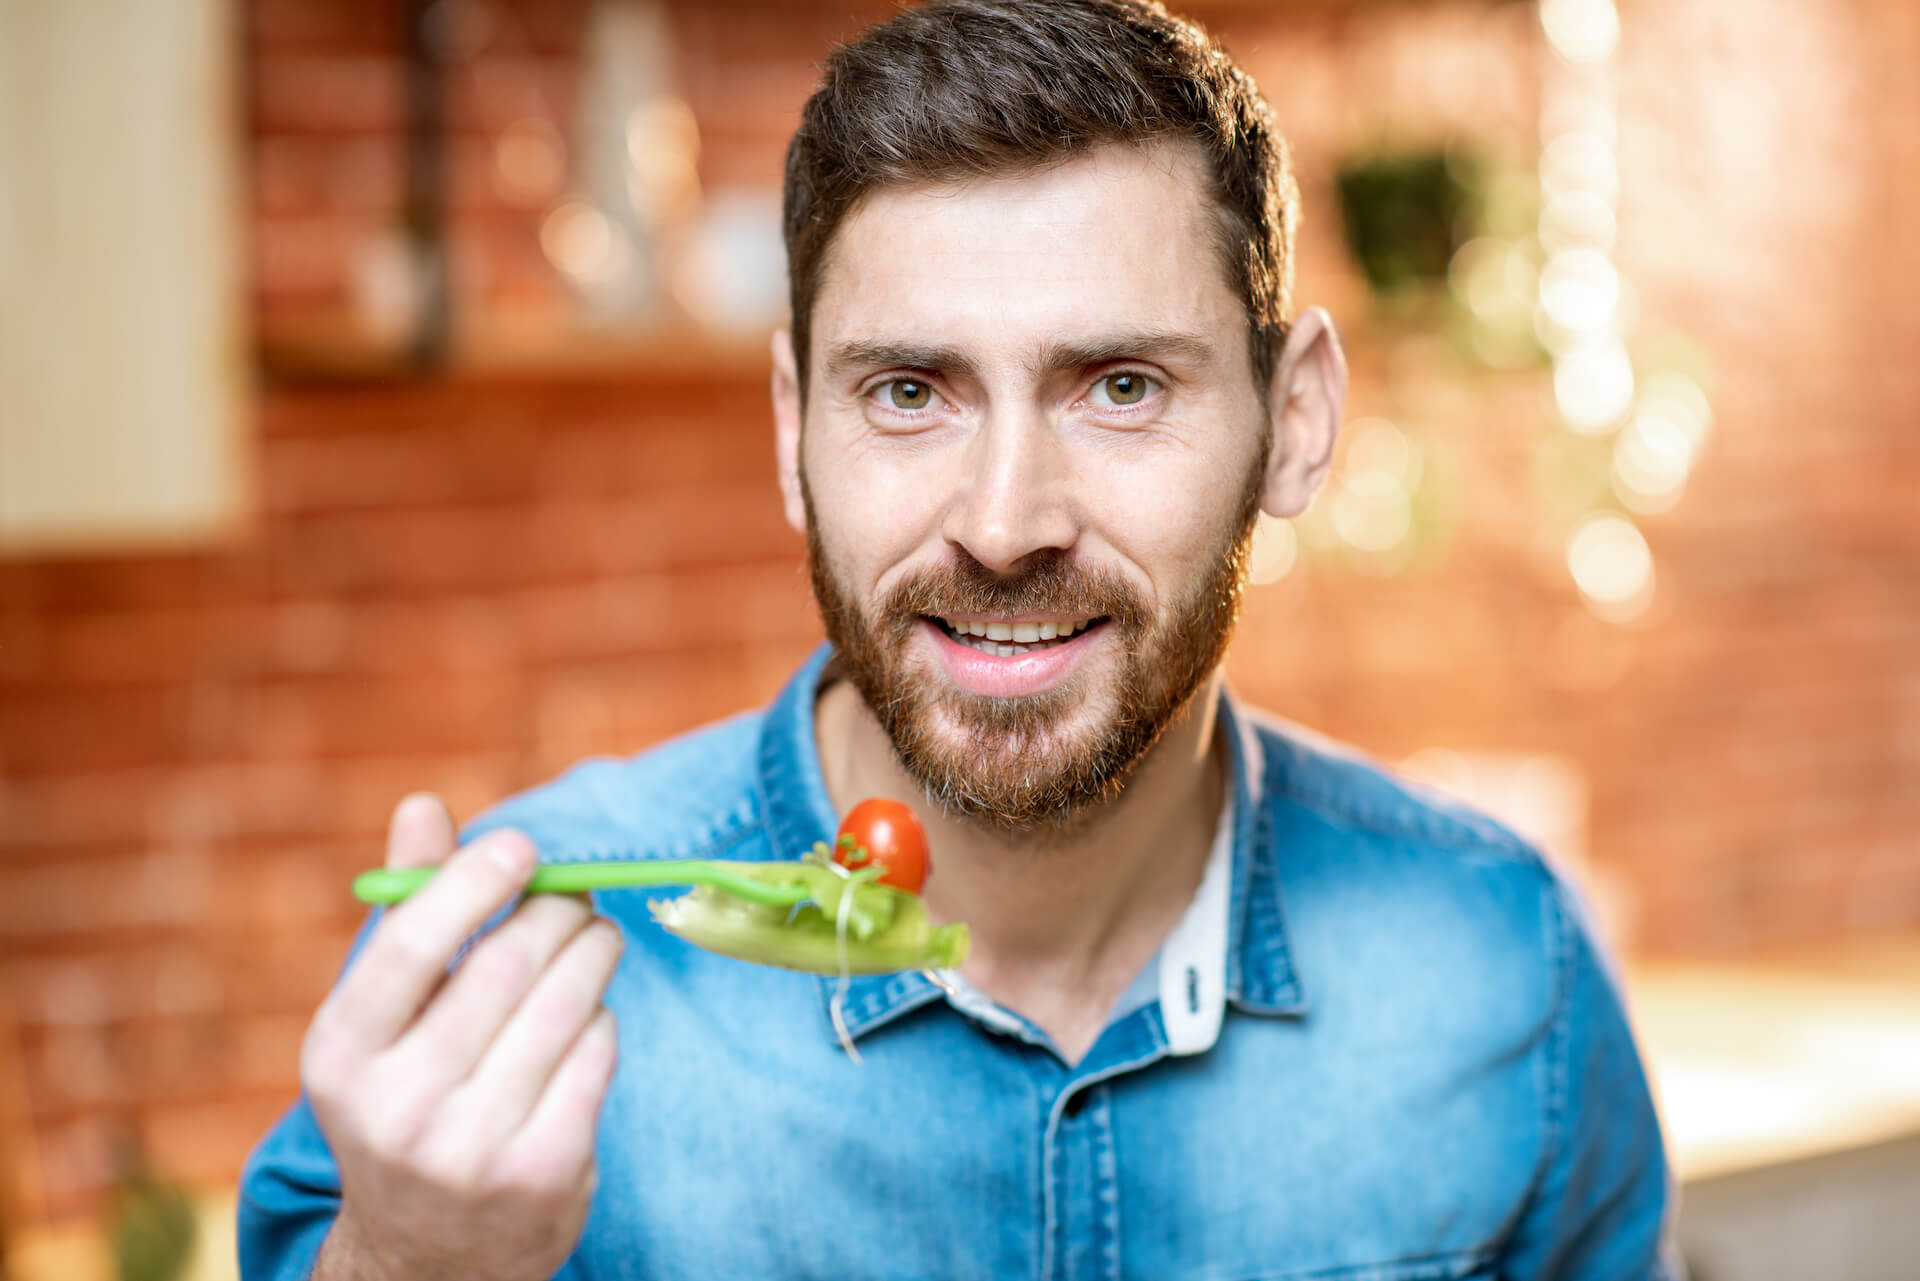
512,851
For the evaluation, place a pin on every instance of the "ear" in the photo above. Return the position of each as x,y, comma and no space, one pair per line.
786,428
1306,401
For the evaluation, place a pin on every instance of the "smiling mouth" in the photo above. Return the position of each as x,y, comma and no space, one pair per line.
1010,640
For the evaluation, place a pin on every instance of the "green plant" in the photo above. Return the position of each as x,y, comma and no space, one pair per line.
151,1224
1405,213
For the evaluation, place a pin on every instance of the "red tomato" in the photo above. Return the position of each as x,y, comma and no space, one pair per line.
885,833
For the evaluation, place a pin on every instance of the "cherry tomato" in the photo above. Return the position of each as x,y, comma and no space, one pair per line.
884,833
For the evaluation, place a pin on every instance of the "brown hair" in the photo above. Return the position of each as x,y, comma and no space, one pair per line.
966,88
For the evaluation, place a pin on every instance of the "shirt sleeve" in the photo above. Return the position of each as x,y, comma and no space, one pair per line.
289,1195
1602,1208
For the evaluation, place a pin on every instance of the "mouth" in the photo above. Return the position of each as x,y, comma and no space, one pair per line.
1005,638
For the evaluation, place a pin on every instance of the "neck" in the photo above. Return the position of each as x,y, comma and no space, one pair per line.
1061,922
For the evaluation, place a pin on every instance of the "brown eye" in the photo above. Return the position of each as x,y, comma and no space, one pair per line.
909,393
1122,389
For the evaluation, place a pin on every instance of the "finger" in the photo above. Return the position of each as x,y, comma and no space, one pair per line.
421,832
558,1135
518,1065
409,951
453,1032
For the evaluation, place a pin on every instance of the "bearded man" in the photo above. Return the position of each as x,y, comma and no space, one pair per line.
1239,1004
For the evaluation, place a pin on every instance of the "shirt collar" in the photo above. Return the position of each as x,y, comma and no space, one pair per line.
793,793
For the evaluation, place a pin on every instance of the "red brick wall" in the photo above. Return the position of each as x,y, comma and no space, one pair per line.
454,586
466,582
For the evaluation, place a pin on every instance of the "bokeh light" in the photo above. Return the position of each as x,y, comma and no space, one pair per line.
1375,445
1370,512
1681,401
1581,30
584,244
1275,550
1580,291
1570,219
1612,566
1579,161
529,162
663,156
1370,504
1651,458
1494,278
1593,385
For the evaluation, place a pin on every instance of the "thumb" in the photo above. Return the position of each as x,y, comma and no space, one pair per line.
421,833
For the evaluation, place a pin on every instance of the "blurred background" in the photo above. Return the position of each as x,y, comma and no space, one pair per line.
382,407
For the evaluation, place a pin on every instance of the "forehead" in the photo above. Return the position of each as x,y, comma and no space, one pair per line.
1122,237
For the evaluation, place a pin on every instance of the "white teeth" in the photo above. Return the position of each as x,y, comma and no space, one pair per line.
1019,634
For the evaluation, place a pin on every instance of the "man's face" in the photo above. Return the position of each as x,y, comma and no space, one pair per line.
1031,415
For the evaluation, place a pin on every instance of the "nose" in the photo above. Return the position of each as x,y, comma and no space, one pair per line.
1013,499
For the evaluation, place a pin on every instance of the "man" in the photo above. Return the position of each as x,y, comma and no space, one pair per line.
1239,1005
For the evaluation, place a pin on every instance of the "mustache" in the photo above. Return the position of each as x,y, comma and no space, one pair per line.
1047,582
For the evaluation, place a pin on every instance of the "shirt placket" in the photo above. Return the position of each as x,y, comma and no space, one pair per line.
1083,1189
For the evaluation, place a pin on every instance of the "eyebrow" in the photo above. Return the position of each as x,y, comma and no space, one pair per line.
1144,344
1055,357
849,356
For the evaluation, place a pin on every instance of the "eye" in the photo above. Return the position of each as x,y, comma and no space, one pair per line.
1124,388
906,393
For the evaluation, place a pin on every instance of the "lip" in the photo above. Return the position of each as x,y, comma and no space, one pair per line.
1036,617
993,676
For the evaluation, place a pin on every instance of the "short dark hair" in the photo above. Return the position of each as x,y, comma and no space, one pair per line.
960,89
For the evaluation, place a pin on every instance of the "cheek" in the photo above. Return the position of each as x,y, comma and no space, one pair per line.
867,515
1169,518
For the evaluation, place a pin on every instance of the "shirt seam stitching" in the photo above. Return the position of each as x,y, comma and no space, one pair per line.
1559,1039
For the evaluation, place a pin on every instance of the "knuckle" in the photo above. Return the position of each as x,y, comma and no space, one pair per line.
609,936
557,1016
319,1060
409,952
597,951
500,859
501,962
601,1045
320,1081
539,1172
559,914
397,1124
449,1170
581,977
326,1064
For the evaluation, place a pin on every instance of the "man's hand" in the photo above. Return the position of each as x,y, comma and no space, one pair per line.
461,1108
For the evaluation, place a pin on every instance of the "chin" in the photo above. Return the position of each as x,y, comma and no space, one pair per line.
1020,783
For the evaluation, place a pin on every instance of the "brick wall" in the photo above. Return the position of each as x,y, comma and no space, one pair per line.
466,582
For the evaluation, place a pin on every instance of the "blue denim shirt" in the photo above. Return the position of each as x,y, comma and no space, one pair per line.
1424,1071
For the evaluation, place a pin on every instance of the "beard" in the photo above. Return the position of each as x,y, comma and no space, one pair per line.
1023,765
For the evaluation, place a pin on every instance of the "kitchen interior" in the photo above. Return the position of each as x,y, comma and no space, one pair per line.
383,408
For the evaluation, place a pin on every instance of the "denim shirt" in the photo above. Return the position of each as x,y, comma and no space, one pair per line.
1423,1072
